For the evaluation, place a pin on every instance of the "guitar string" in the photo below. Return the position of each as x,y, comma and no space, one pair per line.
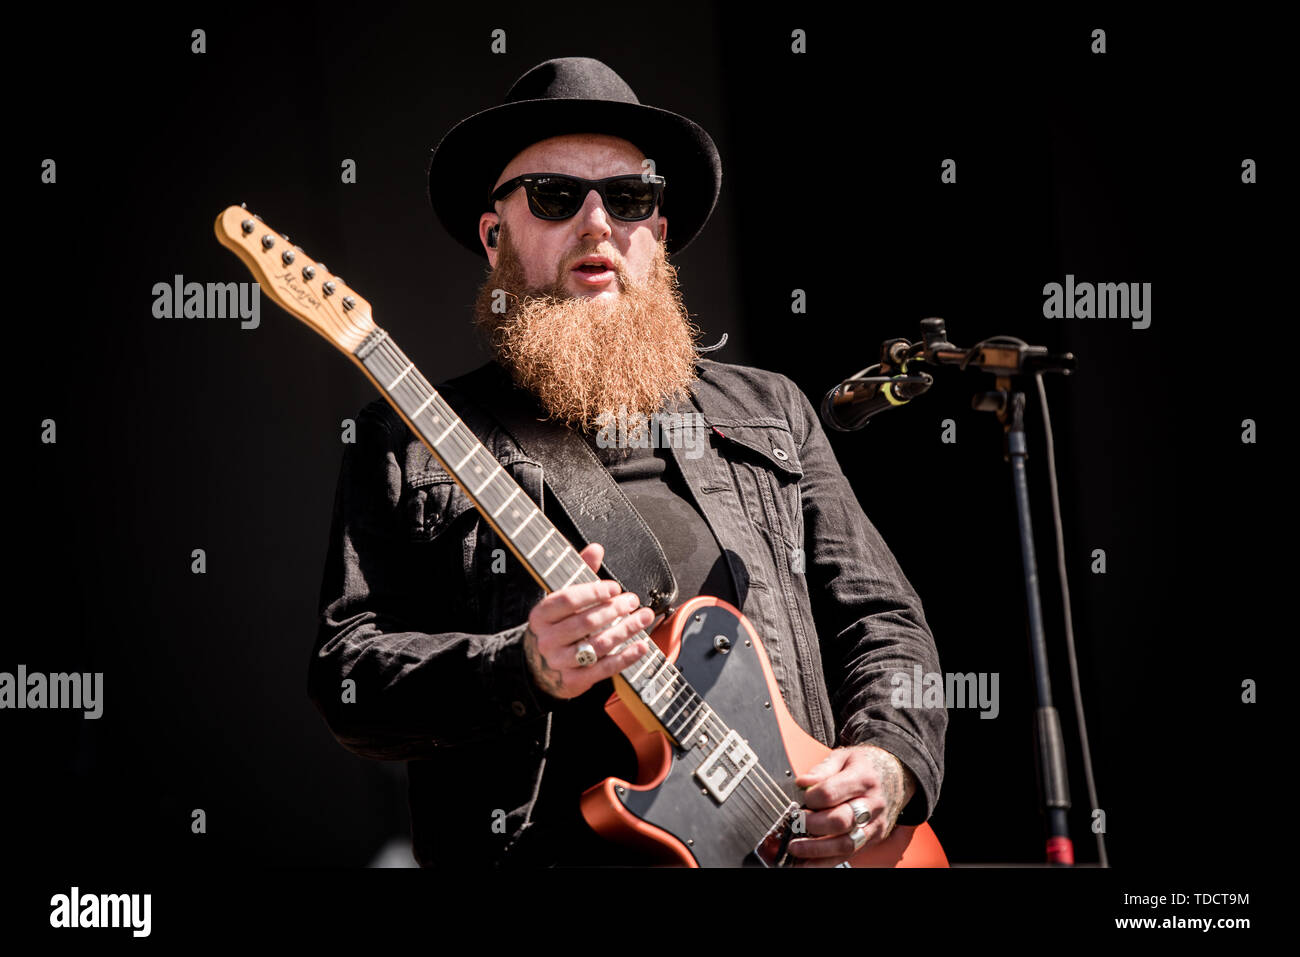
776,800
765,788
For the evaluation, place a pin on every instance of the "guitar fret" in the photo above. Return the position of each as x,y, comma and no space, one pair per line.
688,711
650,659
438,440
650,684
424,405
570,582
507,502
558,559
668,684
538,546
672,699
529,518
491,476
704,713
401,376
461,464
678,713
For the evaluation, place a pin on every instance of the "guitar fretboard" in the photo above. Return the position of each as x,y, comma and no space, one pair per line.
545,553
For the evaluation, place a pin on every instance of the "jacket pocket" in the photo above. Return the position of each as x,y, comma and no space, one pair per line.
431,504
764,462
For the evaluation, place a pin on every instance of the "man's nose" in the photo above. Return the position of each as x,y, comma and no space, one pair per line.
592,220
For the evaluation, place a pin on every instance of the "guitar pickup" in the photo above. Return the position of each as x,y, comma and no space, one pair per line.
724,769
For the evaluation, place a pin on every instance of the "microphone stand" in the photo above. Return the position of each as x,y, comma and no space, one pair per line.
1050,754
1004,358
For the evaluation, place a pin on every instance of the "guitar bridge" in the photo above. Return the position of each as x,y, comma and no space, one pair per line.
772,851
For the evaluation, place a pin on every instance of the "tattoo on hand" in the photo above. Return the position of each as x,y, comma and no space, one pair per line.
547,678
896,781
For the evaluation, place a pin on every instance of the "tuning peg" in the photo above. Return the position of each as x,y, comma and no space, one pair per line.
248,225
268,241
308,272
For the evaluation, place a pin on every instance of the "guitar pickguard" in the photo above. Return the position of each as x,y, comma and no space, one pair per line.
722,833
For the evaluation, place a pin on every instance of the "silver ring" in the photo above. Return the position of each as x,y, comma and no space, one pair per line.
861,811
858,837
586,654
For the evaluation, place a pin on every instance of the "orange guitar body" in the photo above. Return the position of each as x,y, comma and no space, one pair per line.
680,833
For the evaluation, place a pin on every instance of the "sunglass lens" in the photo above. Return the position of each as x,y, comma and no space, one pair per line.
630,198
555,198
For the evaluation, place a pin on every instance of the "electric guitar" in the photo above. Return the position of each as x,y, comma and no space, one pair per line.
717,750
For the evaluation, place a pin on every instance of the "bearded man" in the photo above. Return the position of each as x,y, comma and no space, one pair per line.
456,661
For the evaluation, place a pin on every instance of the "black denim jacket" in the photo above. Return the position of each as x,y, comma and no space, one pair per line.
419,654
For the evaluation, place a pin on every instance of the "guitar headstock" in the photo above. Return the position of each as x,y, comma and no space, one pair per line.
298,284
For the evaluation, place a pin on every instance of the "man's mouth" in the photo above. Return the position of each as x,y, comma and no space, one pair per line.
594,270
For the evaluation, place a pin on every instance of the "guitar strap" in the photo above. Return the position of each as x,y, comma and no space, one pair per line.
580,483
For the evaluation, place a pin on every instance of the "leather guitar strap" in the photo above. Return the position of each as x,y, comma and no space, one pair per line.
580,484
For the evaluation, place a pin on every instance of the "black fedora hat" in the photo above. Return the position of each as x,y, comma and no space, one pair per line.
572,95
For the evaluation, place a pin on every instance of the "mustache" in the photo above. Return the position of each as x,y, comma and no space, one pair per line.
570,261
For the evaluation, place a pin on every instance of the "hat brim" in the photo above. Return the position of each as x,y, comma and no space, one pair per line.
467,162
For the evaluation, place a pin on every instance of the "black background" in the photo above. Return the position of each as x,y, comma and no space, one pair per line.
178,434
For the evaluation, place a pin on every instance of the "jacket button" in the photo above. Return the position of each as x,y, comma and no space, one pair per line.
780,454
518,708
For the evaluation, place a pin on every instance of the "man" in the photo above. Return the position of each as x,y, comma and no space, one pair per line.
455,661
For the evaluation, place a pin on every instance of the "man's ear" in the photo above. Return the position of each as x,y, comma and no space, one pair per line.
489,234
663,229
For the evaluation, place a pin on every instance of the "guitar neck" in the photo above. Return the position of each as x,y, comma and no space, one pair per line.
545,553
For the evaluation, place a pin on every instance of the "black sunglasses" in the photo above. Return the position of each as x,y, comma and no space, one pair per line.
557,196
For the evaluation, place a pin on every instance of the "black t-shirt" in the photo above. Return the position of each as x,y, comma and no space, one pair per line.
586,746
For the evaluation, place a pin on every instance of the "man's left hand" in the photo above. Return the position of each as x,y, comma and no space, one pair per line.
859,773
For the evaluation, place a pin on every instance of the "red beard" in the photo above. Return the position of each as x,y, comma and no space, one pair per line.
588,359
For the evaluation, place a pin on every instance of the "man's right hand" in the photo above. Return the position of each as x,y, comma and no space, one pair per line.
587,612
